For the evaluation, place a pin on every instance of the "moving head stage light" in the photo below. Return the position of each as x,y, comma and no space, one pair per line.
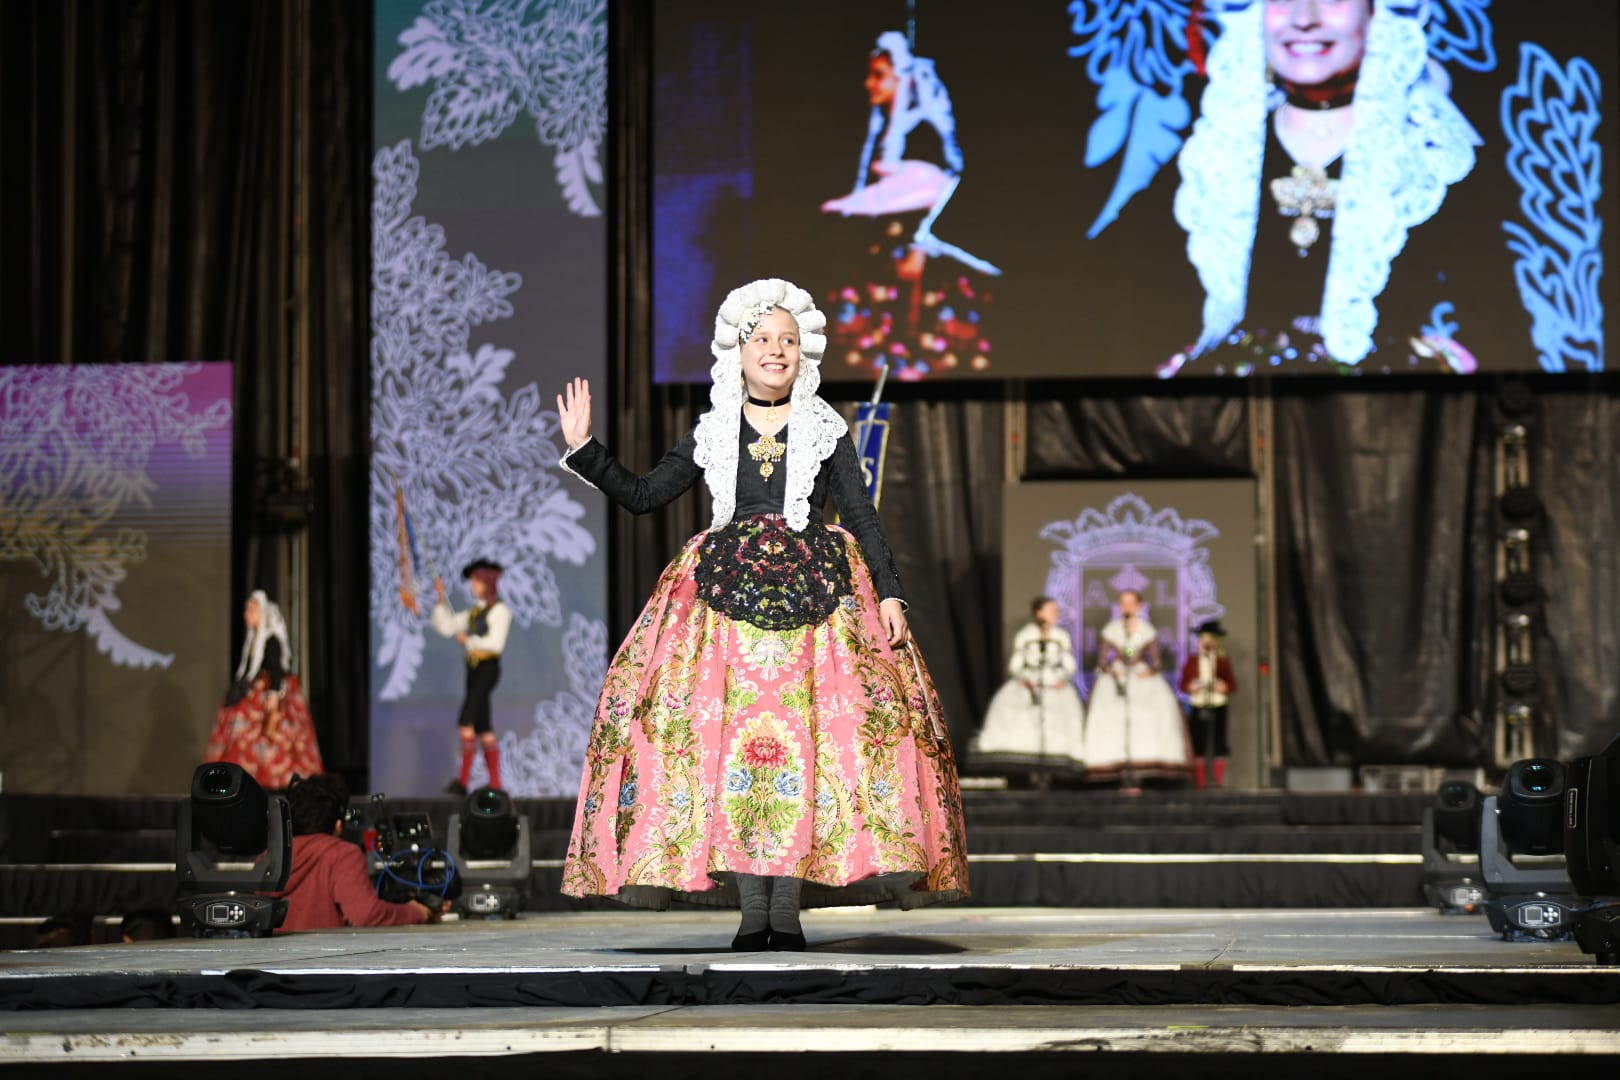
1592,844
490,842
1450,836
1529,896
231,840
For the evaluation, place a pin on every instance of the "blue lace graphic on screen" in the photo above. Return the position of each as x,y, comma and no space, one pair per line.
1550,116
490,62
1459,32
1441,324
1136,55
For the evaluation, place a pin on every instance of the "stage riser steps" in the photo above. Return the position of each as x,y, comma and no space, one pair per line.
108,856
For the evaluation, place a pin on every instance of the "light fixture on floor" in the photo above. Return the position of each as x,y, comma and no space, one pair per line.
1450,835
1592,845
490,843
231,841
1528,892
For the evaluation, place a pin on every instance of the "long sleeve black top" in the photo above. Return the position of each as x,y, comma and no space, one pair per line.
677,471
270,666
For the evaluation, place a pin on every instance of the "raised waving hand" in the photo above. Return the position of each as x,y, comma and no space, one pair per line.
574,410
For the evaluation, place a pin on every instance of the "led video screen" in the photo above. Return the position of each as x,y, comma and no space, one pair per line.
489,255
1170,188
116,632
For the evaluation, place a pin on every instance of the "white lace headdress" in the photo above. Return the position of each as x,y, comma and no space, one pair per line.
814,427
271,625
1409,143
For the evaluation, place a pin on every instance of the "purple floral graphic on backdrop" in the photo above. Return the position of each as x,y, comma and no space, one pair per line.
491,62
75,445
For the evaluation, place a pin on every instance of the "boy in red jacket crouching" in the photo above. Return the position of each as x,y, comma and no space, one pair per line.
329,886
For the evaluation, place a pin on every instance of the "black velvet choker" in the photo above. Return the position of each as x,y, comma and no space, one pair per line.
752,400
1335,93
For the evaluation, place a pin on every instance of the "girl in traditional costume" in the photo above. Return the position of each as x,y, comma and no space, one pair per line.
1326,136
1036,722
767,735
1134,726
264,725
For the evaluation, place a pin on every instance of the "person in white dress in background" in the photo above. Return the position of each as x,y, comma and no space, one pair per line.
1035,723
1135,729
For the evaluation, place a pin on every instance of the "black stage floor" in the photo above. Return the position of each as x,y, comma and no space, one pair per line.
1209,987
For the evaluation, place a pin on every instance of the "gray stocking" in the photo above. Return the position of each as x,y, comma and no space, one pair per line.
785,904
754,899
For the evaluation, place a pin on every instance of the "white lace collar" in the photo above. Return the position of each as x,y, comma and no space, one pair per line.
814,426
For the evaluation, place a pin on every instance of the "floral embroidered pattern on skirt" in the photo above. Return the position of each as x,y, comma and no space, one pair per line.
722,747
271,749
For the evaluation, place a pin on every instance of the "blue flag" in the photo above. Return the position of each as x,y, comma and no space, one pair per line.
871,440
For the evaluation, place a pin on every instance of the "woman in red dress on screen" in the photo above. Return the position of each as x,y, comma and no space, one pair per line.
264,725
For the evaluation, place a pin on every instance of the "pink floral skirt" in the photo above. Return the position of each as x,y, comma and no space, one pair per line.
272,749
816,752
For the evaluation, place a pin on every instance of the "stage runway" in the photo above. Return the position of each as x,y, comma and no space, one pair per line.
942,981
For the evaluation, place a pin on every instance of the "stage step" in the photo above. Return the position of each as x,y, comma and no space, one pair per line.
1079,848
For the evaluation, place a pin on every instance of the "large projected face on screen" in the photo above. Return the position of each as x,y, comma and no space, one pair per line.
1143,187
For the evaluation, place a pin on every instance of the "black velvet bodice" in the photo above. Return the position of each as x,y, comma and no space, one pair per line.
675,473
1286,286
1280,332
270,666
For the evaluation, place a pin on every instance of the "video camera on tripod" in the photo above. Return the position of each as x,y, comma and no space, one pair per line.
400,854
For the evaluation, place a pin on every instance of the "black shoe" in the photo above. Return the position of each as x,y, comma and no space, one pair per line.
754,941
787,941
455,787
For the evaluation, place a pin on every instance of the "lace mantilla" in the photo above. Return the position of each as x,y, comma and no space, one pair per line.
1408,145
816,426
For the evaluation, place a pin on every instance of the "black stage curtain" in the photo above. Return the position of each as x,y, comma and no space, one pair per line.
152,197
1575,440
1157,430
941,507
1387,540
1385,566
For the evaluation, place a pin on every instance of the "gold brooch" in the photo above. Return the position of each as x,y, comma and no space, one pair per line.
1307,194
767,451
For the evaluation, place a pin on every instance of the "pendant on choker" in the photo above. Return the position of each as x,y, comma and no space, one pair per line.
767,451
768,406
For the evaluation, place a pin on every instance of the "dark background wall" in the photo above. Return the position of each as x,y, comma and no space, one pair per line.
189,181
